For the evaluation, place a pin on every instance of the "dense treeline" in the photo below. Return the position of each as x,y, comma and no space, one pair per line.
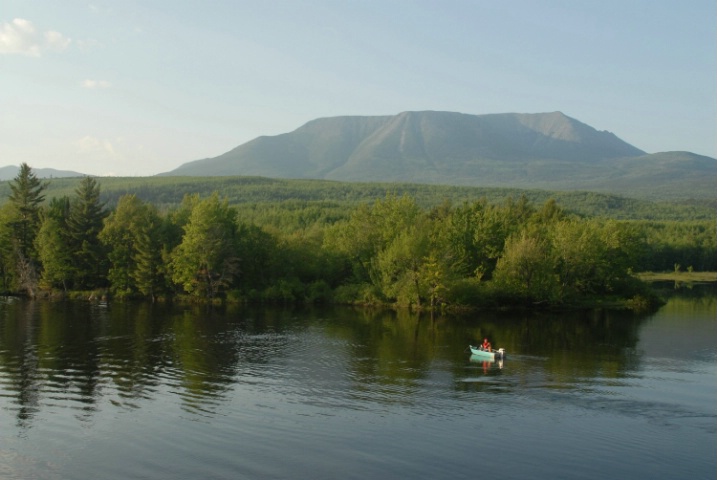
260,193
392,250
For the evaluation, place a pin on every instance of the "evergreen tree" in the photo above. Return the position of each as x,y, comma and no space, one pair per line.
54,245
26,196
7,257
26,199
85,223
149,272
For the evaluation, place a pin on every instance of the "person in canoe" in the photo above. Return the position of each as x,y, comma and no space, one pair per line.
486,345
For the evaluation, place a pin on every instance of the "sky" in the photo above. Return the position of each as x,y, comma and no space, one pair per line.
139,87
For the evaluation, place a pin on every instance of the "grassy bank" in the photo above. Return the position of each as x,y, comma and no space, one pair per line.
684,277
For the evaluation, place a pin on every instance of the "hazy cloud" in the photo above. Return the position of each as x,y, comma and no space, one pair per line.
20,37
56,41
91,84
104,155
95,146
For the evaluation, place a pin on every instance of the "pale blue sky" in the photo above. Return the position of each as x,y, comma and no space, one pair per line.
138,87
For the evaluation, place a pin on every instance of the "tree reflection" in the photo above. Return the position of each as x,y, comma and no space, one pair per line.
19,362
71,355
76,355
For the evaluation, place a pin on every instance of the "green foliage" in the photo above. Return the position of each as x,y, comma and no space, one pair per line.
134,238
399,267
309,242
691,244
7,252
369,230
150,254
26,198
288,203
53,245
468,291
119,235
206,261
526,268
84,223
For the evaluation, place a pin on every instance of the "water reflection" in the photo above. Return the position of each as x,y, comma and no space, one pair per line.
73,354
240,388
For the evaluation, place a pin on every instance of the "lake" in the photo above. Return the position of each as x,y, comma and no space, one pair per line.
141,391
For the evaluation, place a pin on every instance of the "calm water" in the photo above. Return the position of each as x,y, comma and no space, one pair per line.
149,392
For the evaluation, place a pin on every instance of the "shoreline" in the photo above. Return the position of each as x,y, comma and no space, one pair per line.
684,277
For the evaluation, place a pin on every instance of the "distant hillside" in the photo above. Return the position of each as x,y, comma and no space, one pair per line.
9,172
256,197
544,150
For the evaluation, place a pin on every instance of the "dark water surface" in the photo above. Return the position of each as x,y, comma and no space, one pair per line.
122,391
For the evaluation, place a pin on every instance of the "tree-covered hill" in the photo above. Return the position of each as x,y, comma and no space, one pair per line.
333,196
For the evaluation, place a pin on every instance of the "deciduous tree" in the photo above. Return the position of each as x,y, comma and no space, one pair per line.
206,261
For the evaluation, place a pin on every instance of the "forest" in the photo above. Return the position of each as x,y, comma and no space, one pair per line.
417,247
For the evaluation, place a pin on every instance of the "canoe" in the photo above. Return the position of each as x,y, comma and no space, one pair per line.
478,352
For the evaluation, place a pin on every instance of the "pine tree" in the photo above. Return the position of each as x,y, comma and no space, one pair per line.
54,246
149,274
7,257
26,197
85,223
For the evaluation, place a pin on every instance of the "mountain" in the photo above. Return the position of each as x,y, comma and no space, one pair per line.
10,172
543,150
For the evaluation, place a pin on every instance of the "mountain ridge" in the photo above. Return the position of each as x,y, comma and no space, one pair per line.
548,151
522,150
339,147
9,172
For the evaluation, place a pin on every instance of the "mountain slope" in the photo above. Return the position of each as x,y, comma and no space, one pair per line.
10,172
543,150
